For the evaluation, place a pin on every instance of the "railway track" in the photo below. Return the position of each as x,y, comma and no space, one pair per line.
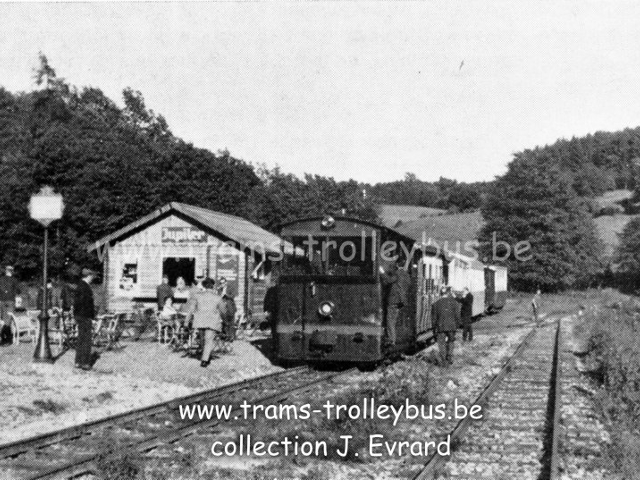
74,451
518,434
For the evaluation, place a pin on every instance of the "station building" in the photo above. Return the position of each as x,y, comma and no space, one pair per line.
181,240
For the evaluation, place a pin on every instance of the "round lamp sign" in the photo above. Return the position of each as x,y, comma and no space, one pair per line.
46,206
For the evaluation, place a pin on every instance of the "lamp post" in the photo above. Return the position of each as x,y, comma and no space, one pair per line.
45,207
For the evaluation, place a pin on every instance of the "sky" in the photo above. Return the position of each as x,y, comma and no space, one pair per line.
364,90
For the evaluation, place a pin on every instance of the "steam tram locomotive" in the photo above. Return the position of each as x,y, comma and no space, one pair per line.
331,297
331,305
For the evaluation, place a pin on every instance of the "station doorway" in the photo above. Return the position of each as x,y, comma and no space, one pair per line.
175,267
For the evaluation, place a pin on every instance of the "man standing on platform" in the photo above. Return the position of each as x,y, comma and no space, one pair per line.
84,312
446,318
9,289
466,310
535,305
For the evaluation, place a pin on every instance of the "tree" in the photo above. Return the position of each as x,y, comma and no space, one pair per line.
46,77
282,197
409,191
464,197
628,256
141,118
534,202
112,165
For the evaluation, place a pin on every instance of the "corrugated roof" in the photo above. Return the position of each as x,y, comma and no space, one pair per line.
391,215
234,228
452,228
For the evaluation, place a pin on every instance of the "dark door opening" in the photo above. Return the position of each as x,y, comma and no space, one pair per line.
179,267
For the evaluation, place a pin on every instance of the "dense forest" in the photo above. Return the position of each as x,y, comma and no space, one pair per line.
547,198
114,164
595,163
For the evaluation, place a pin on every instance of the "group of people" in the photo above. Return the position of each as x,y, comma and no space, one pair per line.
204,307
449,312
76,294
207,308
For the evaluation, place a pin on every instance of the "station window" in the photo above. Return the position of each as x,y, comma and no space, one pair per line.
129,279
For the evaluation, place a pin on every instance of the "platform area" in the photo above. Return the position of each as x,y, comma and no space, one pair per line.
37,398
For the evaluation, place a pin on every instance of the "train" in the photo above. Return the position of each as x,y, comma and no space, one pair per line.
331,298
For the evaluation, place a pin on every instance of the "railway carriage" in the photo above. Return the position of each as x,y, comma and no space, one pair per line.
331,301
465,271
496,287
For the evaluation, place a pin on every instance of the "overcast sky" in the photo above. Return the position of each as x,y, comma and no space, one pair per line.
364,90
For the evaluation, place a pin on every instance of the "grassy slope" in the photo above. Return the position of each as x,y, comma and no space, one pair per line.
609,226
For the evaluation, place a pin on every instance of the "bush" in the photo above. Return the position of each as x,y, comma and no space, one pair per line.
610,210
616,347
124,464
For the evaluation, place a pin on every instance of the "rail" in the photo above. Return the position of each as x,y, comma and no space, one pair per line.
85,463
431,467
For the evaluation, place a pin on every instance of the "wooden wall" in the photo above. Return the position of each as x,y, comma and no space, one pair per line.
147,249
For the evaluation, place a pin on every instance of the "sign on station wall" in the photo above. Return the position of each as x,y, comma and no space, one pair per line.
228,266
183,235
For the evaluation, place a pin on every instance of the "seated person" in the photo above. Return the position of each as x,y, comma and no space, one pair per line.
168,310
181,294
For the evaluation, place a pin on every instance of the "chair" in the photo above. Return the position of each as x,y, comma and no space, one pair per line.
98,325
222,342
194,342
56,327
110,331
180,332
245,325
128,324
21,324
165,329
116,329
64,330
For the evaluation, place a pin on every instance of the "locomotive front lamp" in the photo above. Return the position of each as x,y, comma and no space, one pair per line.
326,309
45,207
328,222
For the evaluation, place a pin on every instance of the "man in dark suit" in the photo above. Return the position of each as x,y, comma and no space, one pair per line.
446,318
466,310
396,281
163,292
9,290
84,312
